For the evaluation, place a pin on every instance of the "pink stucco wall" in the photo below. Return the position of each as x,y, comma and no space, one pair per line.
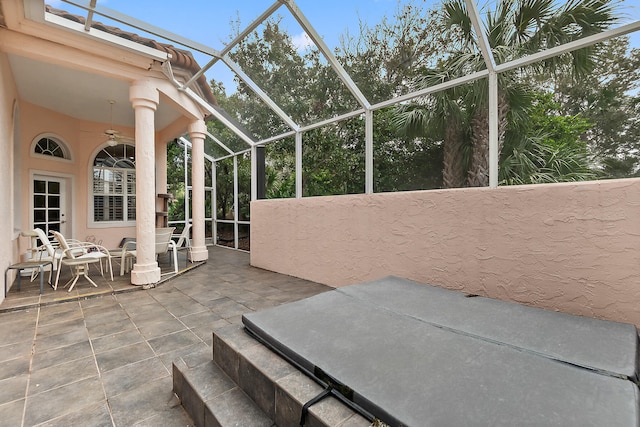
571,247
83,139
8,236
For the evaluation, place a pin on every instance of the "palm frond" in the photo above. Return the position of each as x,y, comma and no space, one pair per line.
528,17
455,13
411,121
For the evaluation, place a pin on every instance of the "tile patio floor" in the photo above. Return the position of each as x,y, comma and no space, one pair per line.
102,356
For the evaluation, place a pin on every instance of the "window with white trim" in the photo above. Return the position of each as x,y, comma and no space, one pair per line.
49,146
114,184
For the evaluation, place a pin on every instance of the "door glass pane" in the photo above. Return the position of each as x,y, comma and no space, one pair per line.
54,215
54,187
39,186
39,215
39,201
54,201
48,202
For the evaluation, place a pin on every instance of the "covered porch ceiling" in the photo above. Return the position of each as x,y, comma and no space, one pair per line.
86,96
97,91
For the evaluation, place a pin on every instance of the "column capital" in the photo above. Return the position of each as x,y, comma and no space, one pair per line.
143,94
197,129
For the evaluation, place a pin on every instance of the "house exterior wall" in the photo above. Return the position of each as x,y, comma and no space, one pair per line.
83,139
571,247
8,237
114,66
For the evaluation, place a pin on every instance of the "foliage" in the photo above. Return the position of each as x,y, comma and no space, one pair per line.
547,147
175,180
404,164
567,118
308,89
608,98
513,29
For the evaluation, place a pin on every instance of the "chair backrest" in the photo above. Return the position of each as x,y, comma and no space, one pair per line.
183,239
63,244
45,241
163,237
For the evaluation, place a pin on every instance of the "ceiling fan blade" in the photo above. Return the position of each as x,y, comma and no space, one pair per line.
115,137
128,139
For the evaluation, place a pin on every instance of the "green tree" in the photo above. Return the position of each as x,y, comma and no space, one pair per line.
548,147
307,90
608,98
381,61
175,180
515,28
440,116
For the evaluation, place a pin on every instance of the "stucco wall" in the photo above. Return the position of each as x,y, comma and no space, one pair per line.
8,95
568,247
83,138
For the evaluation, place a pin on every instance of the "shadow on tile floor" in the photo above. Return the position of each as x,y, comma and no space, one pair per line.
102,357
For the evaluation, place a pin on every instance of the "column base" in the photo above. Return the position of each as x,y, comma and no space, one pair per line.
144,274
199,253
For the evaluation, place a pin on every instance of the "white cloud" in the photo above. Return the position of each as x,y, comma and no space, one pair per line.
302,41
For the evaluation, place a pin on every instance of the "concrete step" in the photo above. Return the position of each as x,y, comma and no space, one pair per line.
246,379
212,399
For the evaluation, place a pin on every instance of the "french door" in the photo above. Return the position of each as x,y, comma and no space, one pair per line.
49,203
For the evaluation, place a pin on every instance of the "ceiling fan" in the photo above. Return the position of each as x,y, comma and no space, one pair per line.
113,135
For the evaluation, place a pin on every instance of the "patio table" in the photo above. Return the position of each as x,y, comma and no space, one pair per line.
28,265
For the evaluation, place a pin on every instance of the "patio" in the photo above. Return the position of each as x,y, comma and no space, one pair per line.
102,356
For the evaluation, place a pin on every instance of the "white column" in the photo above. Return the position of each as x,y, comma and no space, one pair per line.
197,132
144,98
161,168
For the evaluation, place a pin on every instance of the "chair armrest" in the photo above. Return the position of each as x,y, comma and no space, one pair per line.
128,245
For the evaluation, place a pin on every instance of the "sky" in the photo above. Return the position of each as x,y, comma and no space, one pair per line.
209,21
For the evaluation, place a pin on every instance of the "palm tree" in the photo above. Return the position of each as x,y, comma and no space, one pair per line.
440,117
515,28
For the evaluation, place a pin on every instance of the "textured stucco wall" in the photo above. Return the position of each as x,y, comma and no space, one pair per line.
83,139
567,247
8,236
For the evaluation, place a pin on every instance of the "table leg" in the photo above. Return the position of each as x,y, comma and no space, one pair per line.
41,280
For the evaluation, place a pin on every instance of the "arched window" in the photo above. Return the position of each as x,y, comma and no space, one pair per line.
50,146
114,184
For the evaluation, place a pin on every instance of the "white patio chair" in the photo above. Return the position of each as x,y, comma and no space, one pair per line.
78,256
163,244
183,240
47,250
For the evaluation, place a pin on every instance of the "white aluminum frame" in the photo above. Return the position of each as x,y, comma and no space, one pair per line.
366,108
